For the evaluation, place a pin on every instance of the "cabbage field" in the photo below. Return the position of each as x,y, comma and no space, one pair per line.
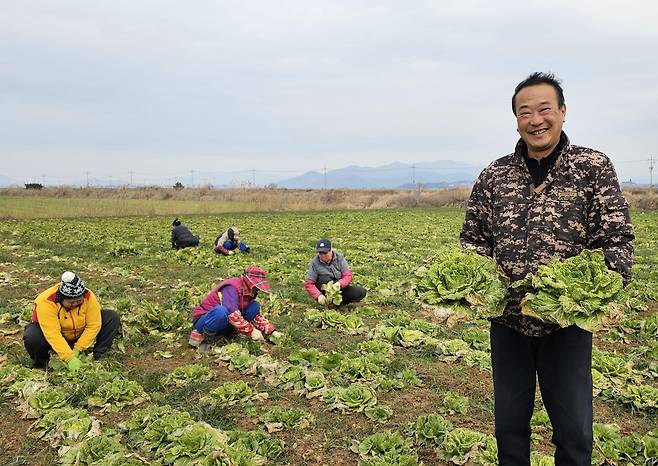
387,382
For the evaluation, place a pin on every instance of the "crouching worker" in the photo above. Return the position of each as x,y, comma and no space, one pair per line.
330,266
229,241
182,237
232,306
66,319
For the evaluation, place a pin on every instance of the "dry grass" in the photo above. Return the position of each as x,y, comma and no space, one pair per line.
109,202
99,202
642,198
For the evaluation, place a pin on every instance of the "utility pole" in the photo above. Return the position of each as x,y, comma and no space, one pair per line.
131,177
87,173
413,174
651,162
253,177
325,177
191,178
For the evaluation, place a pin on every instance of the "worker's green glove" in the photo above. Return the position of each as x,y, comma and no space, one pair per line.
74,364
76,352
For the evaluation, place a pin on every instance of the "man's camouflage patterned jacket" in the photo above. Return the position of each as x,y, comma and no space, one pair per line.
578,206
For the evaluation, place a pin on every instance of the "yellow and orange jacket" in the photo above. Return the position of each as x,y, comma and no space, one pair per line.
61,327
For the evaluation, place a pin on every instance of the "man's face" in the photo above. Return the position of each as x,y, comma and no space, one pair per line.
539,119
325,256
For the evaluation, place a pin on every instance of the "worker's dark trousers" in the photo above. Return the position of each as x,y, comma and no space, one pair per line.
562,361
350,294
39,349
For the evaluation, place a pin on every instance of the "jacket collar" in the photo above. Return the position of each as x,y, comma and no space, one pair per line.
521,150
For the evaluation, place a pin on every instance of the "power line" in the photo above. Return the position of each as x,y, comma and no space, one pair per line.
177,174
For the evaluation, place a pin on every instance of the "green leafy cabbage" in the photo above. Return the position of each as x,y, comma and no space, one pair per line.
47,399
454,403
185,374
278,418
258,442
382,448
379,413
64,426
332,292
148,428
461,445
464,278
579,290
93,450
118,393
356,397
231,393
431,429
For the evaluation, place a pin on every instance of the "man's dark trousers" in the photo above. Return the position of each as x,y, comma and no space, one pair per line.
562,361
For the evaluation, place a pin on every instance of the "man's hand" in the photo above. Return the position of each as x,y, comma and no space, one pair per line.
256,335
230,253
74,364
322,299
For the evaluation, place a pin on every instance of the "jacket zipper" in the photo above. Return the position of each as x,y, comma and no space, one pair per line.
75,332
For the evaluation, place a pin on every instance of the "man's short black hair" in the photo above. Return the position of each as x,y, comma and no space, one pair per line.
540,78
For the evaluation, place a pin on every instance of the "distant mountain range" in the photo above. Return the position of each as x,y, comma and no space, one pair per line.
437,174
395,175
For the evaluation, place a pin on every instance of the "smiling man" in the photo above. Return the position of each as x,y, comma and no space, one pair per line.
549,199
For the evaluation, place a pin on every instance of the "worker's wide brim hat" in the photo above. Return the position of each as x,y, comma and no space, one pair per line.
257,277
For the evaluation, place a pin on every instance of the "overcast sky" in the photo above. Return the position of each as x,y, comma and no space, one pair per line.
161,88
